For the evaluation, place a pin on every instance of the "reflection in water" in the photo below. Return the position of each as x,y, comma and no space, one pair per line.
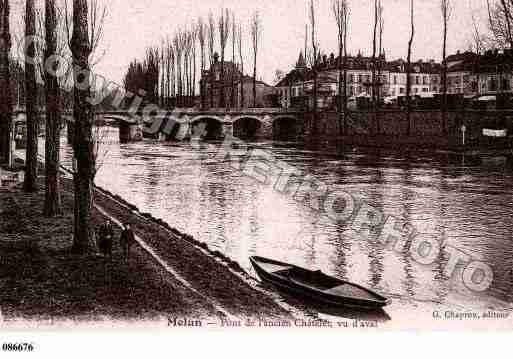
407,198
468,206
376,200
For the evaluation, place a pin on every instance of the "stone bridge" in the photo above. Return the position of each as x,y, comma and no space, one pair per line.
183,123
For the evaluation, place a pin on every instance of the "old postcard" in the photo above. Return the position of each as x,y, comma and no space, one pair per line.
301,165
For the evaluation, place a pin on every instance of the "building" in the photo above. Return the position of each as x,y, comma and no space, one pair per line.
469,75
212,84
424,76
461,78
296,88
493,73
291,88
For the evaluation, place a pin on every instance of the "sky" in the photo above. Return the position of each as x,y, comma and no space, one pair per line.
133,25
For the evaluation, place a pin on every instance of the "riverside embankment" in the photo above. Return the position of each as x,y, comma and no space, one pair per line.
455,131
168,275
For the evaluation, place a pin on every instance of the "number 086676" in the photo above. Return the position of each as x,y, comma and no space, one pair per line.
17,347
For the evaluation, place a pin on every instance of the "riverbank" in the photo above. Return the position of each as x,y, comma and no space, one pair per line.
167,276
430,144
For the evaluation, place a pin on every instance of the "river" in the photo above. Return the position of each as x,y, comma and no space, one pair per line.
464,202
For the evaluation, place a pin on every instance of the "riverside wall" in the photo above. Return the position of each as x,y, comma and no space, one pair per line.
424,127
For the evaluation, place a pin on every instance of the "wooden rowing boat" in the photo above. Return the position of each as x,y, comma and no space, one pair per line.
316,285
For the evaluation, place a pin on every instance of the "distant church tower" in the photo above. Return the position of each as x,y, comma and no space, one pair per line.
301,63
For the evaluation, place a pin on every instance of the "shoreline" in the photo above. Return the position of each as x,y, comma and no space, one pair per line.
227,291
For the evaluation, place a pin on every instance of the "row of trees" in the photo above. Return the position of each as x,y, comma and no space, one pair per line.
77,35
169,72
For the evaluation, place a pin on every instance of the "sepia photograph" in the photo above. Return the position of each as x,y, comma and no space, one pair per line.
301,166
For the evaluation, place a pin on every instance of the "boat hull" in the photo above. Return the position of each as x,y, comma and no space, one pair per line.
313,294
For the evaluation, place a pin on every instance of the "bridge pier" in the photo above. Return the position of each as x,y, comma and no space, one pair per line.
184,131
228,129
70,132
130,132
266,129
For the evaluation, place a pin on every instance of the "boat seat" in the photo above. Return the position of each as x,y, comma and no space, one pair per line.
274,268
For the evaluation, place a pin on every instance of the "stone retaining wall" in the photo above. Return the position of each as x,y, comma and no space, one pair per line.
394,124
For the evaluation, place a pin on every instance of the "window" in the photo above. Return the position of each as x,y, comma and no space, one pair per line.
492,85
401,90
505,84
417,80
415,90
351,78
395,79
425,80
425,89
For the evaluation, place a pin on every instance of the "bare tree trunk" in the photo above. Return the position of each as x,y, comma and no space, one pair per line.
179,79
381,24
162,75
254,82
168,75
212,84
5,80
211,45
232,100
186,80
241,67
303,101
83,146
379,84
314,63
224,31
344,99
30,184
53,118
408,70
507,16
202,39
194,65
341,12
373,74
445,7
255,34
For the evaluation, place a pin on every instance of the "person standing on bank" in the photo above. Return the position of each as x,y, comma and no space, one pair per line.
127,239
106,237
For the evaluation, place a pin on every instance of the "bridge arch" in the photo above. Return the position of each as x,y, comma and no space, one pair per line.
207,127
285,127
248,126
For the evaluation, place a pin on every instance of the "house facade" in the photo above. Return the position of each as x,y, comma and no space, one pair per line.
493,73
468,74
424,76
238,92
461,77
298,85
